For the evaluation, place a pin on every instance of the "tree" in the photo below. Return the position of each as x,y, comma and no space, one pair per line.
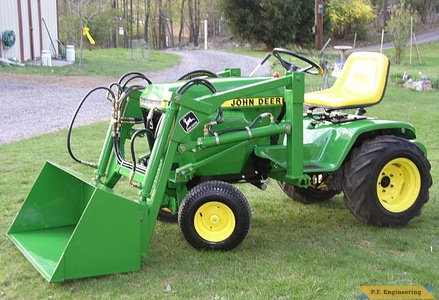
180,32
194,20
273,22
399,29
381,11
101,27
147,9
423,7
347,14
77,14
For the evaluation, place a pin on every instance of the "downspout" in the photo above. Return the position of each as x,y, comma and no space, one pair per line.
57,21
20,28
40,27
31,29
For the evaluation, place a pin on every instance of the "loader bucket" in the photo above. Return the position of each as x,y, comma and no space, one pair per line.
69,228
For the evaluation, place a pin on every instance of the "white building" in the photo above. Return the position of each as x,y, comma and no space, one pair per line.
28,27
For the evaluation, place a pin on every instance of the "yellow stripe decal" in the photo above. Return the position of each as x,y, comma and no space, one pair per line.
263,101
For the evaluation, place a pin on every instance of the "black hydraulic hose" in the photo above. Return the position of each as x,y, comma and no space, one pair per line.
122,93
118,86
116,147
196,81
133,138
116,135
128,75
238,128
212,88
132,76
69,133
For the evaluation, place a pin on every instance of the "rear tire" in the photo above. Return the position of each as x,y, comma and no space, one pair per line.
165,215
386,181
214,215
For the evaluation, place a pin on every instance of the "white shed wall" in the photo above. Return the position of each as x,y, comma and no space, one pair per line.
31,34
8,10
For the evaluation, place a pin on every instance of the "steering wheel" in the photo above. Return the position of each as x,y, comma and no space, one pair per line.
277,52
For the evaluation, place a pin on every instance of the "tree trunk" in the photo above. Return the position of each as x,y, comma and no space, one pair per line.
171,24
191,20
194,21
162,25
385,12
125,17
80,45
180,33
147,5
131,25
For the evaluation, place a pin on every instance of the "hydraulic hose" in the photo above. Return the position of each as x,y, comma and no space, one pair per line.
133,153
132,76
252,124
219,118
69,133
117,93
196,81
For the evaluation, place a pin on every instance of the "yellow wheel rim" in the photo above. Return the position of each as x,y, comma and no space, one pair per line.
214,221
398,185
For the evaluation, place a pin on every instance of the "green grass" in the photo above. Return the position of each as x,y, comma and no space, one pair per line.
293,251
103,62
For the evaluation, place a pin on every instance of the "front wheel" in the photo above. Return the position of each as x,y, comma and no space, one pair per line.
214,215
386,181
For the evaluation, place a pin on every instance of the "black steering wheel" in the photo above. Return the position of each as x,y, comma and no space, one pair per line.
278,52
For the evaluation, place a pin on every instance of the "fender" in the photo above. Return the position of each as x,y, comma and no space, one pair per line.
327,145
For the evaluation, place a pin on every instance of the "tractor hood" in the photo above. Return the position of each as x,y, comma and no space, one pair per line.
157,95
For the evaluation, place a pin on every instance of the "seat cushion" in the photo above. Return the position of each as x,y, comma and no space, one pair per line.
362,83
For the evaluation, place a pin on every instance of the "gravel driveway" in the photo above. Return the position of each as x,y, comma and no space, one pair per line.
34,105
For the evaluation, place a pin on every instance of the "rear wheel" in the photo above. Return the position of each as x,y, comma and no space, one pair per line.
386,181
214,215
166,215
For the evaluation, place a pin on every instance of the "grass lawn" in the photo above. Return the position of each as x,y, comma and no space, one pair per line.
103,62
293,251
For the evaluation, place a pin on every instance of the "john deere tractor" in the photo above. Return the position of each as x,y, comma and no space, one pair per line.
206,132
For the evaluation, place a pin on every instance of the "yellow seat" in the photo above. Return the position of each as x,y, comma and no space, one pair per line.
361,83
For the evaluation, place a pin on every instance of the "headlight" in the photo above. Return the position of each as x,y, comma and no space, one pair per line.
150,104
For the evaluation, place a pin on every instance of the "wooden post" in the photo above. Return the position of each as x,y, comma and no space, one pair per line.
411,39
318,25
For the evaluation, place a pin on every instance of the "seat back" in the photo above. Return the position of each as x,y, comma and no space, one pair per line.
361,83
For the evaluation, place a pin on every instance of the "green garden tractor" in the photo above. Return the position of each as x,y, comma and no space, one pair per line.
206,132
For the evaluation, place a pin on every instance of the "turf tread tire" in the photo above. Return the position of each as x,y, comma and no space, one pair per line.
220,192
361,174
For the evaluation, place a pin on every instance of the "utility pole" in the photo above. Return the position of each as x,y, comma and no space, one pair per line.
318,25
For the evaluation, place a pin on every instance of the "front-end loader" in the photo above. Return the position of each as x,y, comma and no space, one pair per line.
207,131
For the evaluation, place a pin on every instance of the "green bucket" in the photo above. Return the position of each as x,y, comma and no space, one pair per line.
69,228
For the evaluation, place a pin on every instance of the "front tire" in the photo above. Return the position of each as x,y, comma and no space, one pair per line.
306,195
386,181
214,215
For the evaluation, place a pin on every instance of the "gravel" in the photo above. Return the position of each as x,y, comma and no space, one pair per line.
34,105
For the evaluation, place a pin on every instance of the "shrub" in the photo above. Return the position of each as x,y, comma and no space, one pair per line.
399,29
345,14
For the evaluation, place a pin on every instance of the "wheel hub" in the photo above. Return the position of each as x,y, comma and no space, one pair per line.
398,185
214,221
